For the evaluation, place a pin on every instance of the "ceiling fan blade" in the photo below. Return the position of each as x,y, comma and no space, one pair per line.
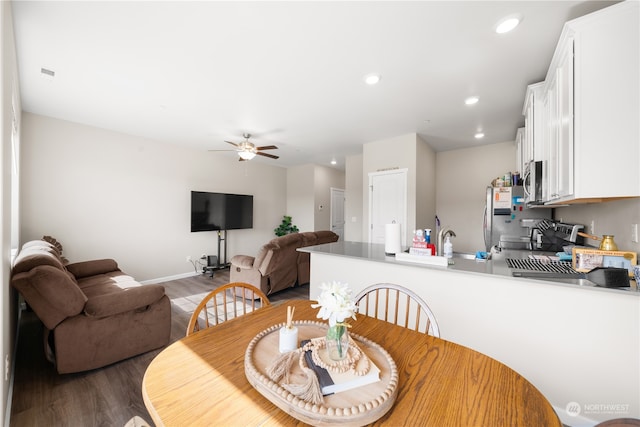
267,155
232,143
267,147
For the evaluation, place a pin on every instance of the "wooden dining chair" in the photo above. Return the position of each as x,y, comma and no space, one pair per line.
225,303
399,305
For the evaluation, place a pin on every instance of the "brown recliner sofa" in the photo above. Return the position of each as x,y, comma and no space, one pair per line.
93,313
278,264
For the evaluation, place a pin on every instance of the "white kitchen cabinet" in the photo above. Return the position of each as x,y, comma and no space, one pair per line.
532,111
520,162
550,142
590,143
559,119
531,137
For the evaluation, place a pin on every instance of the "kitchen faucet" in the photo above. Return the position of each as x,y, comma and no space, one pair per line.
442,234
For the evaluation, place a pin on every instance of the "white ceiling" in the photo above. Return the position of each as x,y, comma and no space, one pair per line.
290,73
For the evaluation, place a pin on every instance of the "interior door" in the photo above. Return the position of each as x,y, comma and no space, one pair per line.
337,212
387,203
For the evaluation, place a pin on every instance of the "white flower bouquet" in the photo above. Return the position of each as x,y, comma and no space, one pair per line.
336,305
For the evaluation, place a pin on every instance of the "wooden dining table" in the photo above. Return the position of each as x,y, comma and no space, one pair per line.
200,379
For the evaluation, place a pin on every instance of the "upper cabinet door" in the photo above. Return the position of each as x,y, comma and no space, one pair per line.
565,122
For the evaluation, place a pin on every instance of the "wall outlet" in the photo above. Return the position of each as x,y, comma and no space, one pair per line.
6,367
592,228
634,233
188,258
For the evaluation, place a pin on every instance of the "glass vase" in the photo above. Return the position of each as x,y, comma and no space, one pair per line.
337,342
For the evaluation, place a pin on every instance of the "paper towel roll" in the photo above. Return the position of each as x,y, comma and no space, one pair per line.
392,239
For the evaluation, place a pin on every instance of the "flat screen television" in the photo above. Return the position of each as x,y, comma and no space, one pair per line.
220,211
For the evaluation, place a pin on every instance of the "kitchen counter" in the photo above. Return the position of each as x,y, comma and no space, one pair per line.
497,265
574,341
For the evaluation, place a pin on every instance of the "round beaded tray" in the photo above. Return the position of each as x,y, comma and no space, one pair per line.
356,407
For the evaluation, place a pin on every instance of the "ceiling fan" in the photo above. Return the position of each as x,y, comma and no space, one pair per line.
247,150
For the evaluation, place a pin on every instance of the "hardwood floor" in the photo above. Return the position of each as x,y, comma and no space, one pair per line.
103,397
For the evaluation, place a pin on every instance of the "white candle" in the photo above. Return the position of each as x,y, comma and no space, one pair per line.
288,339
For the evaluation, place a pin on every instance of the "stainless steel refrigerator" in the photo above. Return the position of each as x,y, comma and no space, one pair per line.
508,224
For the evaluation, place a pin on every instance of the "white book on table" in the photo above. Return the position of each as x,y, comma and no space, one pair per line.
336,382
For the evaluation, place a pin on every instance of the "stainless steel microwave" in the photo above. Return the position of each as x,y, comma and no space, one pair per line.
533,183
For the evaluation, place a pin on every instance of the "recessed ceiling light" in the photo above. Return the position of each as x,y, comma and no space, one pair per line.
479,135
508,23
333,162
372,79
471,100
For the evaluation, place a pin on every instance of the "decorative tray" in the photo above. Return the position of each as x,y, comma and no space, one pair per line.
356,407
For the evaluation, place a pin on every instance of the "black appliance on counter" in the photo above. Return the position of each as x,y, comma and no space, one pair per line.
552,236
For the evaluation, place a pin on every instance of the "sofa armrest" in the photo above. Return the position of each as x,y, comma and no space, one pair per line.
51,293
121,302
243,261
91,268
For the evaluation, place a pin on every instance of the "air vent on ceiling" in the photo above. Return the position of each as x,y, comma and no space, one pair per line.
49,74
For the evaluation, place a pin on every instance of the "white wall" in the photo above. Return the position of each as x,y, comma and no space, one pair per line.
300,196
325,178
308,187
425,186
9,100
105,194
353,193
461,179
392,153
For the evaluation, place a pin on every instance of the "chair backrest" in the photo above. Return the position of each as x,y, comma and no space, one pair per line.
225,303
399,305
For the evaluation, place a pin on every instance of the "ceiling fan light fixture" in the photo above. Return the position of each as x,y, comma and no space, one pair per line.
246,155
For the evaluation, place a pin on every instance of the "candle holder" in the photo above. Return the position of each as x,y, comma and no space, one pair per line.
288,334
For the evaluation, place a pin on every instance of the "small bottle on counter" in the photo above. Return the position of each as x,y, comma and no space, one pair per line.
432,247
507,179
427,235
448,248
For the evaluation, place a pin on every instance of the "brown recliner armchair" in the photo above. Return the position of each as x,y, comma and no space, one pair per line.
93,313
278,264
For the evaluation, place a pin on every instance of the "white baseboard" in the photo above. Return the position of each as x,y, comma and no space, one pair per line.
169,278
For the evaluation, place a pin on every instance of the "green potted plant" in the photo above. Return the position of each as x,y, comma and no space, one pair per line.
286,227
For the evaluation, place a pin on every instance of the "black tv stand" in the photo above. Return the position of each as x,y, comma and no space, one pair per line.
222,237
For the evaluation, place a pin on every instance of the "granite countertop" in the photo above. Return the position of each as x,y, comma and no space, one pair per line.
497,265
